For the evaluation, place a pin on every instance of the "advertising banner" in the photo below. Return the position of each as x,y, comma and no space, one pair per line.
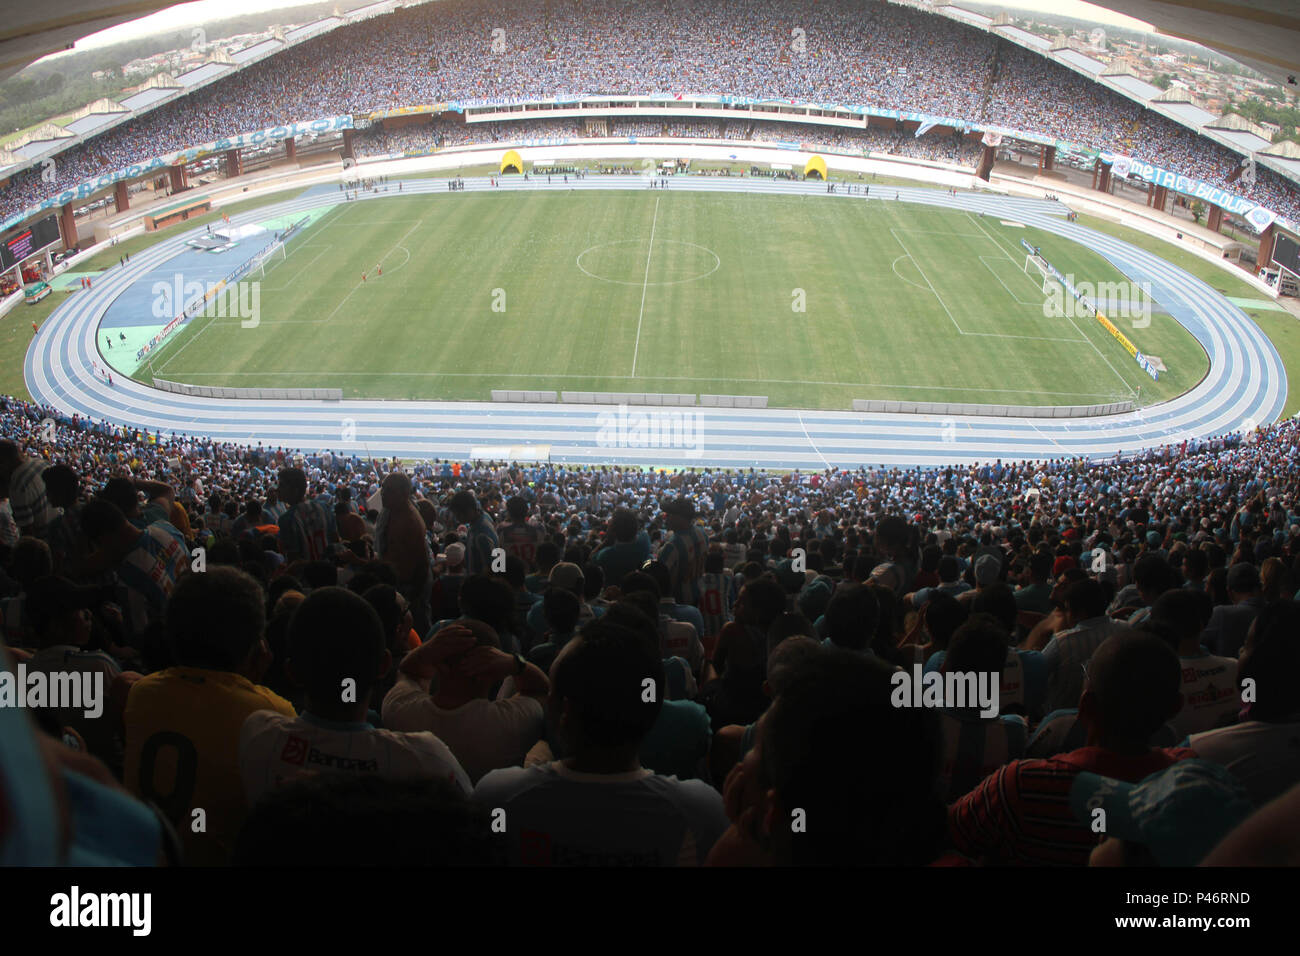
89,187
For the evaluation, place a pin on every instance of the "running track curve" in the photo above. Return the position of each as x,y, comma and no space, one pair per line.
1246,384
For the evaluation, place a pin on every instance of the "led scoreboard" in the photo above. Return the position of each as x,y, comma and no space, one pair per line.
1286,253
29,241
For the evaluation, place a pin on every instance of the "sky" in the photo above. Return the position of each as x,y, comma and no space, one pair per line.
1074,8
187,15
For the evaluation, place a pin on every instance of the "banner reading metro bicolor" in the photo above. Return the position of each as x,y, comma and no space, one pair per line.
1124,166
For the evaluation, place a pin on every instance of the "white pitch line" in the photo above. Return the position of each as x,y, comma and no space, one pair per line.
311,262
1100,354
645,284
991,238
674,378
360,284
1031,338
999,258
916,262
894,266
171,358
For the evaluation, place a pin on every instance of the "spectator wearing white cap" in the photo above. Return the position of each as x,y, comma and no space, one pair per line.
566,576
987,571
446,587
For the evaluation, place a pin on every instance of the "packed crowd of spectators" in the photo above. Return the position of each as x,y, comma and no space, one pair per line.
426,137
321,654
844,53
422,138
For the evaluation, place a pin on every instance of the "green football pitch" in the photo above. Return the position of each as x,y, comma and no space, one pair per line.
812,301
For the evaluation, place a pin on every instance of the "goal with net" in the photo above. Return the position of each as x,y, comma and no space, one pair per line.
266,260
1053,290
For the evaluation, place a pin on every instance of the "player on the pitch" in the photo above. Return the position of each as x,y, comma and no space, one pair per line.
379,268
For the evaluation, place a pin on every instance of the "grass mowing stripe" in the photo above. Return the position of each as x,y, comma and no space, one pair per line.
431,331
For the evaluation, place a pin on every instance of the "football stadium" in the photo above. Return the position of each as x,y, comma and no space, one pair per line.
553,433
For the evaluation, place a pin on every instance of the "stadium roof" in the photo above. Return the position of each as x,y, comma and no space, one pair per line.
30,31
1262,34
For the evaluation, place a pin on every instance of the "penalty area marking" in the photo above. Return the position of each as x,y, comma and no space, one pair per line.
1075,325
401,264
985,260
310,262
894,266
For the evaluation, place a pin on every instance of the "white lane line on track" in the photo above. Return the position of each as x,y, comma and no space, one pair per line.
62,377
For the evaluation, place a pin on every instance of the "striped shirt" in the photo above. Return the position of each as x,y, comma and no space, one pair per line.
683,555
521,541
1021,813
307,530
150,571
717,595
8,527
1065,655
31,509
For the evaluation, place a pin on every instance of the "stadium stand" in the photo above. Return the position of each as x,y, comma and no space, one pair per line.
1172,575
886,56
649,667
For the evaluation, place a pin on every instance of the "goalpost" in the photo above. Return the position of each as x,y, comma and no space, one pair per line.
258,265
271,255
1036,268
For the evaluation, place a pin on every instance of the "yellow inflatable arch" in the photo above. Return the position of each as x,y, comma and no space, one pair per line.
816,168
511,163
